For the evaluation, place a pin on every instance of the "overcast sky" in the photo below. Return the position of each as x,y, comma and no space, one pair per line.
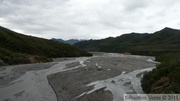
86,19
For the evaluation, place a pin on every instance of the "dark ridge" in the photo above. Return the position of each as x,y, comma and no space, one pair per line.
167,39
70,41
16,48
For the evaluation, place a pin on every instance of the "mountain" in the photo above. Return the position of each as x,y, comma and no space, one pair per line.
17,48
70,41
167,39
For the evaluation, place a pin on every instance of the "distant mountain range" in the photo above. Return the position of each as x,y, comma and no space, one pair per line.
167,39
16,48
70,41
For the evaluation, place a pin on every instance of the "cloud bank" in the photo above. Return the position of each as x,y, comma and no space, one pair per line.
85,19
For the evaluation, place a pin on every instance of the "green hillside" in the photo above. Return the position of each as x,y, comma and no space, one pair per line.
166,77
17,48
166,39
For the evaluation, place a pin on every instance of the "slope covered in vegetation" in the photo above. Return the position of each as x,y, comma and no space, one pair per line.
18,48
167,39
166,77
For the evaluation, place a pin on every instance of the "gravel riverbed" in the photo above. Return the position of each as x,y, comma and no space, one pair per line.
103,77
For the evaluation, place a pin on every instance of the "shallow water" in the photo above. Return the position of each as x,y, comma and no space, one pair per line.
120,85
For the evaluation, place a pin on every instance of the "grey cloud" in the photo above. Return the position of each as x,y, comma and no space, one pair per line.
132,5
88,18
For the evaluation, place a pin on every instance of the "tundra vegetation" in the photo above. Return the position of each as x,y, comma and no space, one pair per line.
165,78
16,48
